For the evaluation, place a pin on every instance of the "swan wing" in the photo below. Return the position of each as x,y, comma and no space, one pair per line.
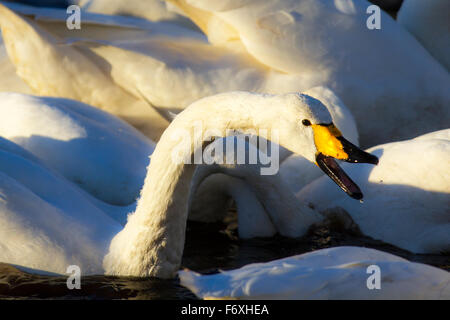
57,69
84,144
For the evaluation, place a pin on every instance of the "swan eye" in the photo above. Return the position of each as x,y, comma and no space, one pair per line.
306,122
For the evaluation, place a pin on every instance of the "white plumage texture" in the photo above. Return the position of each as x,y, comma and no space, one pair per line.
80,228
86,145
276,47
71,172
335,273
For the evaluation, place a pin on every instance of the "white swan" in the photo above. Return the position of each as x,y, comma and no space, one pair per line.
428,21
335,273
33,174
328,43
92,148
48,223
85,79
172,67
86,145
160,39
152,241
407,200
407,206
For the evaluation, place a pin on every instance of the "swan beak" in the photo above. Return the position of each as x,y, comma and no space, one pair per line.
331,145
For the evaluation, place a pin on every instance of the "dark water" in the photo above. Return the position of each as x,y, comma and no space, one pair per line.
209,247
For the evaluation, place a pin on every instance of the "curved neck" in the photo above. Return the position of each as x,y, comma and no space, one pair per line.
152,242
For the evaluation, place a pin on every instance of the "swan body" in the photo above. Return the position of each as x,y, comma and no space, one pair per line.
428,22
91,149
152,241
247,50
85,80
441,134
71,125
28,170
408,194
137,249
31,233
367,69
47,223
334,273
84,144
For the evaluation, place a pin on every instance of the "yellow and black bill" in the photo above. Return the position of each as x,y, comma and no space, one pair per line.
332,145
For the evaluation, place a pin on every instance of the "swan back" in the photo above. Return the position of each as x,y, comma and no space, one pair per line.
84,144
62,70
335,273
39,235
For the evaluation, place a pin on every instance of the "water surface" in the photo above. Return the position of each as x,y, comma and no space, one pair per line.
209,247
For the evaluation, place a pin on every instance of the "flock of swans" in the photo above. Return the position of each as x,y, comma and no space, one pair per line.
82,110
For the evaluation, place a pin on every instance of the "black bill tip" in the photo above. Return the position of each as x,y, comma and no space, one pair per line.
355,154
335,172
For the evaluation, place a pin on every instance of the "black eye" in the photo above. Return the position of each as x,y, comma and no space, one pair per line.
306,122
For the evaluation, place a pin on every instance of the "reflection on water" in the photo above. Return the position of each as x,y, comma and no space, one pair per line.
209,247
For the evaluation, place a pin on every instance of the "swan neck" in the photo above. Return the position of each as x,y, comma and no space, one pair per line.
152,242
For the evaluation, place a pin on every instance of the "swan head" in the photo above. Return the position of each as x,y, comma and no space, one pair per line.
307,129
